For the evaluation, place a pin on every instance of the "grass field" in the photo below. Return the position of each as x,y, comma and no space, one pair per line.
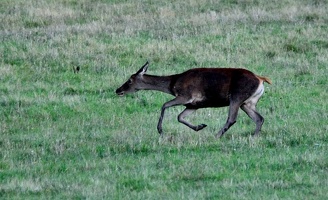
66,135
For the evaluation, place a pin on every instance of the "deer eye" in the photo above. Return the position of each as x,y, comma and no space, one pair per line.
129,81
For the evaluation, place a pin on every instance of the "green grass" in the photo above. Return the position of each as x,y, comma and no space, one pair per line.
66,135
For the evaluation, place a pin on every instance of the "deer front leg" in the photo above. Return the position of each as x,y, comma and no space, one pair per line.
173,102
185,113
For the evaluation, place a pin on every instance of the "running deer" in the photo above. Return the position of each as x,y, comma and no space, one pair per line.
203,88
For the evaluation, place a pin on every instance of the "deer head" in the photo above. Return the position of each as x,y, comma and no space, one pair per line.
134,83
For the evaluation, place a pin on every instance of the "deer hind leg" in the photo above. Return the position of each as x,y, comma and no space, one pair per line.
185,113
233,112
249,109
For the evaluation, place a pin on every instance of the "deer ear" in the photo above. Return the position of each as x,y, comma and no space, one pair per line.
143,69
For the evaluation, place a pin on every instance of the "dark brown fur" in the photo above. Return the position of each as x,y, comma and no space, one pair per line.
202,88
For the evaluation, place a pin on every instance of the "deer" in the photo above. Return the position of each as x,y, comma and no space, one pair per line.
204,88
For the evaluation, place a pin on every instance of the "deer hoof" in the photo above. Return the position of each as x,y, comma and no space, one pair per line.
160,130
217,136
200,127
256,134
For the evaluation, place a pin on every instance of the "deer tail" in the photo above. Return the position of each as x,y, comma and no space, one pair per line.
264,79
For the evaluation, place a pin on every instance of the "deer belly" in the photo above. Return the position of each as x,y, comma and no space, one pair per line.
208,103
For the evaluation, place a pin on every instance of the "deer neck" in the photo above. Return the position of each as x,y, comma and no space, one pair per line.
159,83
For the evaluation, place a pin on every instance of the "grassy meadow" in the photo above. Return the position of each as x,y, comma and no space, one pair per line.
66,135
